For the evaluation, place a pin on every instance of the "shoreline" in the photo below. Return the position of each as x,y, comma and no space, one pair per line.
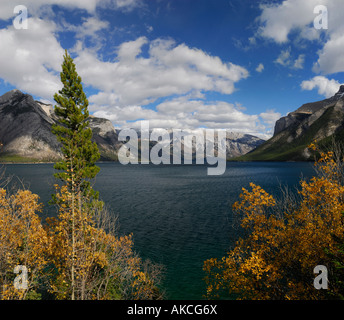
227,161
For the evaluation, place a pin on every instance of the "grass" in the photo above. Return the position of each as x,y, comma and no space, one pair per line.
13,158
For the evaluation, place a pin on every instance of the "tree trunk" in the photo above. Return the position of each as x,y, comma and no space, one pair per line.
73,233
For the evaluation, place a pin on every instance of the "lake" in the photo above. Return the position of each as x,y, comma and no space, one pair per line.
178,215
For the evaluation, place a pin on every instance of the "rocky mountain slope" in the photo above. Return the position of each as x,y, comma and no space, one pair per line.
25,129
25,132
322,121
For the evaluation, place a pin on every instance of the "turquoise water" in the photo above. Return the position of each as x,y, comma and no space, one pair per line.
179,216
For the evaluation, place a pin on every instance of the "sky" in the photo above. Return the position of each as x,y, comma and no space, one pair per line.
238,65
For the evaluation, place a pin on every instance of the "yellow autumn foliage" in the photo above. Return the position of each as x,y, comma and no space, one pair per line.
283,243
23,241
105,266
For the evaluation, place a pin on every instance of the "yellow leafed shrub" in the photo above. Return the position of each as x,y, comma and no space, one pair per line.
283,243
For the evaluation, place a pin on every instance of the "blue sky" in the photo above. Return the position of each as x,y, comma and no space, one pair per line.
233,64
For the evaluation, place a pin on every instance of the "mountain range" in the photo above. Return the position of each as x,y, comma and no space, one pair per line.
322,121
25,133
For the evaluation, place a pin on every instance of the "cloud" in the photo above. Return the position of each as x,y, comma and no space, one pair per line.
279,21
169,69
128,51
126,5
326,87
270,117
185,113
158,80
35,6
140,72
260,68
90,27
298,63
30,59
143,71
268,120
285,59
331,57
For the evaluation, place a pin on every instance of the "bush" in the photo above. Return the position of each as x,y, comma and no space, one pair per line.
285,240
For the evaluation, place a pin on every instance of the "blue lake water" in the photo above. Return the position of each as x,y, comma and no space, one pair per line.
178,215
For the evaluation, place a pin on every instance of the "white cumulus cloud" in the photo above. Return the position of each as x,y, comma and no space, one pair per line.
30,59
279,20
325,87
169,69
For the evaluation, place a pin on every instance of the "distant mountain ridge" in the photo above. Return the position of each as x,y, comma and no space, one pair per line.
321,120
25,132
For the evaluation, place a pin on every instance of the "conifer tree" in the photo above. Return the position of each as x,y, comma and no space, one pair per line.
80,153
77,167
88,260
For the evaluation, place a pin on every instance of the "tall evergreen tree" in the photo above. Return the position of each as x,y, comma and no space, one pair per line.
76,169
87,260
80,153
